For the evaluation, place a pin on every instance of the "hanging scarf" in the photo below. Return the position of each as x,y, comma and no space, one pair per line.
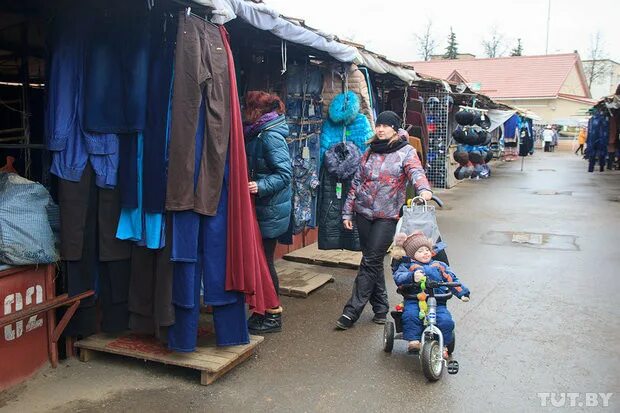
251,130
384,146
246,265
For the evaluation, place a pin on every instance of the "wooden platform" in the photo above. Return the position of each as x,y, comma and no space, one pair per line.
213,362
331,258
299,280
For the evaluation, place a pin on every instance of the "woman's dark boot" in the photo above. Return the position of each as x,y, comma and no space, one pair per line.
255,321
271,322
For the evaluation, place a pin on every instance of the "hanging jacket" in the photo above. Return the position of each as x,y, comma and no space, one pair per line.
333,86
598,135
378,189
344,111
339,167
270,166
304,192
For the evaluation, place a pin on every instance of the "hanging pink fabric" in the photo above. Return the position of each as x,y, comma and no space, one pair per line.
246,265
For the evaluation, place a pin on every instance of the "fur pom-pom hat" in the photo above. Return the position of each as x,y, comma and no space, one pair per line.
410,244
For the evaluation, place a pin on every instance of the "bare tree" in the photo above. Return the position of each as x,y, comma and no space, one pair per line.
596,66
426,42
494,46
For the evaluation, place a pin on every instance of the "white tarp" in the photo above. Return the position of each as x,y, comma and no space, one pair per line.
378,65
265,18
498,117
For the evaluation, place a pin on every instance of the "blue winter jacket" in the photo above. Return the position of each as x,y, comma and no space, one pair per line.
269,164
434,270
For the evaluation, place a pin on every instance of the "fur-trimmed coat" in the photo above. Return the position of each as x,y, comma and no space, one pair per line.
332,87
344,111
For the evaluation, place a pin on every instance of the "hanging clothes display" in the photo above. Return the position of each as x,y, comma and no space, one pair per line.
341,162
336,77
598,139
150,290
415,115
115,85
304,117
92,255
72,146
201,70
246,265
345,122
510,138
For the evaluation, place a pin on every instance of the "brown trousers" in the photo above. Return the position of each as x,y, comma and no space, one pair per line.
200,71
78,200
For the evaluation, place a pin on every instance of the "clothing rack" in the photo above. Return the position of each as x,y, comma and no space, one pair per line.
473,108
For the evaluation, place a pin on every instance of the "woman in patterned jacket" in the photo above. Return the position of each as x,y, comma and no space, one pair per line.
377,193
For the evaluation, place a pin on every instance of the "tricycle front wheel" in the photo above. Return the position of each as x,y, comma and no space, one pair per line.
432,361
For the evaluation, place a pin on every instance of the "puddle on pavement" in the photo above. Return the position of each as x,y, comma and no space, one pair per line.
532,240
551,192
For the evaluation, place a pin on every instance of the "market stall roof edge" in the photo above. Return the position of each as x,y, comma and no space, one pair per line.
295,30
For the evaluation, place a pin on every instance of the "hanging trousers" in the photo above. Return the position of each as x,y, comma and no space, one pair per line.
201,71
199,256
375,239
150,289
593,158
92,255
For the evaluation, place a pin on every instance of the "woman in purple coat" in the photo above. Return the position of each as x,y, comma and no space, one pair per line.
377,193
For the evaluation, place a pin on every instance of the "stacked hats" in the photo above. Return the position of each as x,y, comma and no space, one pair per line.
473,151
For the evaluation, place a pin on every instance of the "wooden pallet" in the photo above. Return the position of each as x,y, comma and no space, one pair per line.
330,258
212,362
299,280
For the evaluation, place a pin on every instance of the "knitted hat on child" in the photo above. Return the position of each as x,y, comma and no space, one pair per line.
413,242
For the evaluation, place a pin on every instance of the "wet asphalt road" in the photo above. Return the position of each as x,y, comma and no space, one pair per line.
542,319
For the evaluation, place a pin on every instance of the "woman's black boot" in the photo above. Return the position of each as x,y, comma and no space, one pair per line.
271,323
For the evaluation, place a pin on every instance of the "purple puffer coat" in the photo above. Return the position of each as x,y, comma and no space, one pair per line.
379,187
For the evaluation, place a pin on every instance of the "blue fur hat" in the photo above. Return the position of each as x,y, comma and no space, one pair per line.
344,108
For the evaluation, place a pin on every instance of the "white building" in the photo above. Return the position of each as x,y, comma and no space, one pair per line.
607,82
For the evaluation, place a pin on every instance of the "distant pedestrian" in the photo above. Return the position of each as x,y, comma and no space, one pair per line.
581,140
548,137
556,138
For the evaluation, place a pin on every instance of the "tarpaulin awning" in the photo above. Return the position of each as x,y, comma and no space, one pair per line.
294,30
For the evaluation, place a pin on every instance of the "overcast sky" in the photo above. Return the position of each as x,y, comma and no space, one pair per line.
388,26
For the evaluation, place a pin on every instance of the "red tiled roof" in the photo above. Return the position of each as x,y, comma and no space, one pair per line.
510,77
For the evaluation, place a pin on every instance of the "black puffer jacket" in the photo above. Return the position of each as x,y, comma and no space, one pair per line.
332,234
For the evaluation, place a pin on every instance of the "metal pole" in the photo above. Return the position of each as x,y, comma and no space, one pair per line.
25,75
548,21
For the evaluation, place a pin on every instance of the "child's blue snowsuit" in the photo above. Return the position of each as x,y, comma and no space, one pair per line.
435,271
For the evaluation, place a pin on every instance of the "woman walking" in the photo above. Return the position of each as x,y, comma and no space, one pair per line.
270,170
377,192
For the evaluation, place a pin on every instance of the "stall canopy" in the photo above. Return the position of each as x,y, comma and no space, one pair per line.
296,31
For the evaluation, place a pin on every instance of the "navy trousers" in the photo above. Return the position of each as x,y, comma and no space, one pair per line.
199,256
413,325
